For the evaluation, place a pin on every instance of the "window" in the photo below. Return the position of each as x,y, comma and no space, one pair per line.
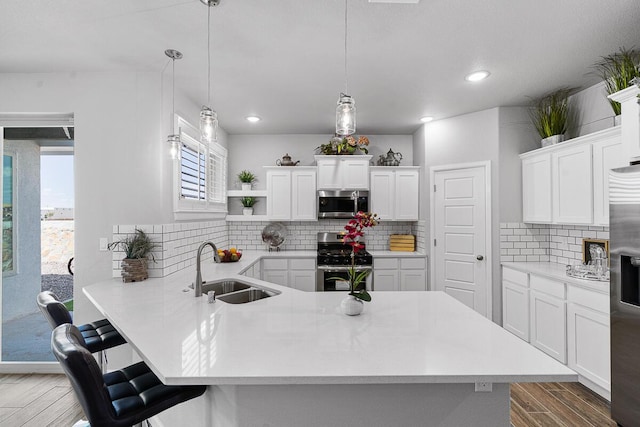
8,223
201,175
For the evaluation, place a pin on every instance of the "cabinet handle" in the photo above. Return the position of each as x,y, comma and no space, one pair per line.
479,257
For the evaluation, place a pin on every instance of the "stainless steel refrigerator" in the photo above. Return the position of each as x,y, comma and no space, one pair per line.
624,220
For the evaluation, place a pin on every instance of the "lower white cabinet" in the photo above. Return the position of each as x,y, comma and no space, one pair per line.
548,325
568,322
399,274
515,303
588,336
297,273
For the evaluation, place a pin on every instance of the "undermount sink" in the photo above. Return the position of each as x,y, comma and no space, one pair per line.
247,295
222,287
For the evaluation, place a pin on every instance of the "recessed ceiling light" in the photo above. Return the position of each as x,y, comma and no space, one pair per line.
426,119
253,119
476,76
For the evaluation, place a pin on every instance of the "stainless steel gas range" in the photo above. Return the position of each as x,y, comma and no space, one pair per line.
334,260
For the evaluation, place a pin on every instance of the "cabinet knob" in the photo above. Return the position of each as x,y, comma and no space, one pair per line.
479,257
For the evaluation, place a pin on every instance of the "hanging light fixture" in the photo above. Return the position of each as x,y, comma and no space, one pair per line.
346,110
173,139
208,117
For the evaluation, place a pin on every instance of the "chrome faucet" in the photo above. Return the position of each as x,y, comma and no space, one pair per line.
198,284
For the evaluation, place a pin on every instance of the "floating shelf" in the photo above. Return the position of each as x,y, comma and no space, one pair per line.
247,193
253,218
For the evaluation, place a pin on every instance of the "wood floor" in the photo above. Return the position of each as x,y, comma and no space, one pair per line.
48,400
558,404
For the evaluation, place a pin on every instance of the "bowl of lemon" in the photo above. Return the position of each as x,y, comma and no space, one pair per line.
229,255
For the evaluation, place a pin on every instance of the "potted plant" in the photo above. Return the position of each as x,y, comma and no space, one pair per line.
550,115
617,70
345,145
248,203
136,250
353,304
247,179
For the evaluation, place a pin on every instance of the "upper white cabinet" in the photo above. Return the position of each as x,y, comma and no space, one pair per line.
536,188
394,193
291,193
572,186
608,154
343,172
568,183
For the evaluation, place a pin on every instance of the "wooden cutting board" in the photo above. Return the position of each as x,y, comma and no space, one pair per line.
402,242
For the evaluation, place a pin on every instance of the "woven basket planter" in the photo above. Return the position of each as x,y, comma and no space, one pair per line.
134,270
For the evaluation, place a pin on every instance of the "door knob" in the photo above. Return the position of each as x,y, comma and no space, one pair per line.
479,257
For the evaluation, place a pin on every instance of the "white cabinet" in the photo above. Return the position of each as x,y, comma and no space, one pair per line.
394,193
547,313
568,183
515,302
399,274
536,188
572,188
566,321
588,335
302,274
291,193
607,154
343,172
297,273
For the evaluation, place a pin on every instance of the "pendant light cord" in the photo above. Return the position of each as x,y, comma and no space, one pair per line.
346,85
173,89
209,56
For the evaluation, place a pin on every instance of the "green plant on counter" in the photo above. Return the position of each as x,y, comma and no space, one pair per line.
248,202
137,246
247,177
618,70
550,113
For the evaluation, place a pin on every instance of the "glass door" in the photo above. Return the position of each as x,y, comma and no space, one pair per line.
37,240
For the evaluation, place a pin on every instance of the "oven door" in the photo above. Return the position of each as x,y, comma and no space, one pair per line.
336,278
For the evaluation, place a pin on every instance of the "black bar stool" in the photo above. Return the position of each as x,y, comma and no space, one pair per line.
98,336
117,399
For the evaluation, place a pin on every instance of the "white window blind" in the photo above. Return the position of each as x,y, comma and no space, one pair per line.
201,174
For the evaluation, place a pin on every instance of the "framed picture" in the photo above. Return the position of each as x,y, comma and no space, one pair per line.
586,248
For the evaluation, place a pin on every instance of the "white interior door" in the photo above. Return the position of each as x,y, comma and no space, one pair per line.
461,236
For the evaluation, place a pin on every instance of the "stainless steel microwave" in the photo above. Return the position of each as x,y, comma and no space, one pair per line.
342,204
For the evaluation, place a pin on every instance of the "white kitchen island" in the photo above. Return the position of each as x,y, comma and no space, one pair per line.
411,359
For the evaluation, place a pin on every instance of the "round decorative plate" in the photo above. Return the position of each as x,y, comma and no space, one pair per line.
274,234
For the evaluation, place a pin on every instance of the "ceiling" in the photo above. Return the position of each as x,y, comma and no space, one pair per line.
283,60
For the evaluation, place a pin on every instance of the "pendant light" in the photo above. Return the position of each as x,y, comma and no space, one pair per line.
173,139
208,117
346,110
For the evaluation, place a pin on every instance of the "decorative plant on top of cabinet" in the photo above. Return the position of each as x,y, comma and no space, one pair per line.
550,115
617,70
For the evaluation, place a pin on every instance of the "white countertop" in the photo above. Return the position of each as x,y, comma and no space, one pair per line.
303,338
558,272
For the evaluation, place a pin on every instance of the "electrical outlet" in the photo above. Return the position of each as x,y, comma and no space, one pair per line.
484,386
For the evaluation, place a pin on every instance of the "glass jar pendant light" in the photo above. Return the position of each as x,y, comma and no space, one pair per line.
346,110
208,117
173,139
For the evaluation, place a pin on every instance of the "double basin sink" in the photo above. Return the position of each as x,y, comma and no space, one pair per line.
236,292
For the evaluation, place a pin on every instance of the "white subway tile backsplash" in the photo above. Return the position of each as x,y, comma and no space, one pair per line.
560,244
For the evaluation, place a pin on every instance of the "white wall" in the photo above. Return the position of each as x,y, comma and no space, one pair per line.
517,135
252,152
497,135
122,164
593,111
